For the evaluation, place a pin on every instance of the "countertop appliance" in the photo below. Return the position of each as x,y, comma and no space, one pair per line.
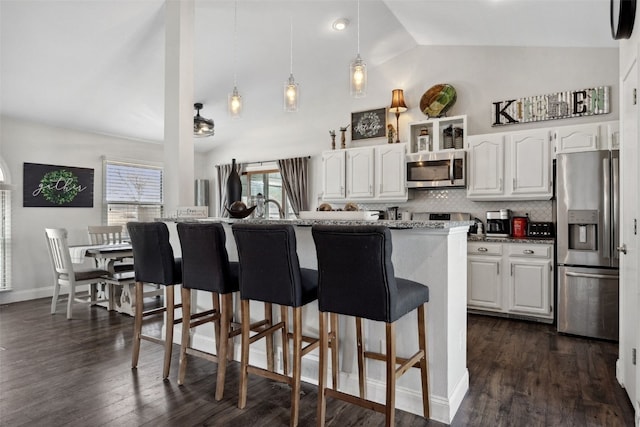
519,226
499,223
587,212
540,229
437,169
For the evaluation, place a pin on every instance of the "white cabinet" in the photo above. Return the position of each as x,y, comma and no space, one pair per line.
367,174
442,134
511,279
333,174
391,172
485,155
360,164
510,166
484,283
530,280
587,137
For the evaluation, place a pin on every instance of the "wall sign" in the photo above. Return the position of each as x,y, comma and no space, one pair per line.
369,124
559,105
57,186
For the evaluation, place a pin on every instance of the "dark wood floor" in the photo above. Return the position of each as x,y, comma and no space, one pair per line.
55,372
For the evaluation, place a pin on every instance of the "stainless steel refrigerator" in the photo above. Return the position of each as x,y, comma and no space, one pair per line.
587,203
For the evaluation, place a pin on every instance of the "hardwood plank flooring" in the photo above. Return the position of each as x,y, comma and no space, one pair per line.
55,372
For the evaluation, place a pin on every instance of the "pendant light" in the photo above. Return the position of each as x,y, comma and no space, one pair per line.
358,70
291,89
234,99
201,127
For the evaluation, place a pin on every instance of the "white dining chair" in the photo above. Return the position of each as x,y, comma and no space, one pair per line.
66,274
109,235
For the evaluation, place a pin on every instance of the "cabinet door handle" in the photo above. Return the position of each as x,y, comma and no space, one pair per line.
482,249
528,252
500,184
514,183
371,189
498,269
512,269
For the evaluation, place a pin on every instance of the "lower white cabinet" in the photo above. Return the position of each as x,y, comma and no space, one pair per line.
511,278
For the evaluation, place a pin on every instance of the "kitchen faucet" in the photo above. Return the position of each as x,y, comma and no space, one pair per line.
280,211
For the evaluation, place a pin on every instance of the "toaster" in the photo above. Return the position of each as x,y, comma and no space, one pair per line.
540,229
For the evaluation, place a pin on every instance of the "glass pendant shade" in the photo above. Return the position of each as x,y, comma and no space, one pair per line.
202,127
235,104
358,71
291,95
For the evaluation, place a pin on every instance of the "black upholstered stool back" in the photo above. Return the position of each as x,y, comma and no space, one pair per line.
153,260
269,266
356,276
205,262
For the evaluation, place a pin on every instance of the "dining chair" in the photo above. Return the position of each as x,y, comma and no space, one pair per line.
66,274
356,278
109,235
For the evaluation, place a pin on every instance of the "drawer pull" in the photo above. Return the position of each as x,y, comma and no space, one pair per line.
528,252
482,249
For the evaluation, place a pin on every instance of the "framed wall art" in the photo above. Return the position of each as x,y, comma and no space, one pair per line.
369,124
57,186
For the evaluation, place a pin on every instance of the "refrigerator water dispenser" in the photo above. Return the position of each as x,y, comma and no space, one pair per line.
583,230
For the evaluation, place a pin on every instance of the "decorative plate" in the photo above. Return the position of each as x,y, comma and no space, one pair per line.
438,100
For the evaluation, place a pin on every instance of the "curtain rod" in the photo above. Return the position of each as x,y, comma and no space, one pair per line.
262,162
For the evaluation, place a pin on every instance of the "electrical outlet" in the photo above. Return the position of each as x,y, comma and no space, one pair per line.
633,356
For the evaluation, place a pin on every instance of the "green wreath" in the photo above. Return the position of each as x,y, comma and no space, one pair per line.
51,190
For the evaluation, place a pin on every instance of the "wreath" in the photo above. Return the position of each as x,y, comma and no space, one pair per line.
53,192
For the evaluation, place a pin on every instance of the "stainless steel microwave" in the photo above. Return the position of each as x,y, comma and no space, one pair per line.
437,169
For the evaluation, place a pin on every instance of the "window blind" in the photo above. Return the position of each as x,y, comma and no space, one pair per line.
5,240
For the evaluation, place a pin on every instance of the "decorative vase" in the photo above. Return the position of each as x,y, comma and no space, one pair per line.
234,186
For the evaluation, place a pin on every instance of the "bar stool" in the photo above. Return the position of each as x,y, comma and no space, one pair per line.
270,272
206,267
154,263
356,278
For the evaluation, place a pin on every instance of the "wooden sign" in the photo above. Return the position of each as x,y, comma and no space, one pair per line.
57,186
559,105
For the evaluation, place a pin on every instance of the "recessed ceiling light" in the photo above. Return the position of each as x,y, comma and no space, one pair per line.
340,24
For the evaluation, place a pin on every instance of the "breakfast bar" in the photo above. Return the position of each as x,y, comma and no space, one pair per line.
430,252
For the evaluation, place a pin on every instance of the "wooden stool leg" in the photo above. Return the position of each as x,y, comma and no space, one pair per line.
361,362
284,314
186,327
297,368
215,300
137,325
334,349
390,414
244,358
322,368
424,362
225,328
269,316
168,336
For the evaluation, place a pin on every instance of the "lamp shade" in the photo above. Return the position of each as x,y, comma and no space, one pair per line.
397,102
202,127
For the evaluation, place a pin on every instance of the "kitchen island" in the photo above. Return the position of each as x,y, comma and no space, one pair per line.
430,252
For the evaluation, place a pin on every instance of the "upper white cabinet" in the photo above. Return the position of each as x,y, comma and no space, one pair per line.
530,165
510,166
333,174
360,177
365,174
445,133
587,137
391,171
485,154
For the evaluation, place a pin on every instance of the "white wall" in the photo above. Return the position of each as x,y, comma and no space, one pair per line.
481,75
22,142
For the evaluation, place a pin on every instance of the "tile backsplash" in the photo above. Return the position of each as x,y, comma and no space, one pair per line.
455,200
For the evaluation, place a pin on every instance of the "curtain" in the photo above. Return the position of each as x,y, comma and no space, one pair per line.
223,172
295,174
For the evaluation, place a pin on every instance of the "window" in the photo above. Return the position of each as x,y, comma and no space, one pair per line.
269,183
5,234
132,192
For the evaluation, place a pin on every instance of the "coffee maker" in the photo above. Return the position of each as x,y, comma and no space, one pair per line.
499,223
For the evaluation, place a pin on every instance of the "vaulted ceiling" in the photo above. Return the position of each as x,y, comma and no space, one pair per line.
98,65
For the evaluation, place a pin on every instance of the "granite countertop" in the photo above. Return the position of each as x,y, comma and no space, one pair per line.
535,240
398,224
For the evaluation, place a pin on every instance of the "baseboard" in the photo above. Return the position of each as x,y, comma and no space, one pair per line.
15,295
